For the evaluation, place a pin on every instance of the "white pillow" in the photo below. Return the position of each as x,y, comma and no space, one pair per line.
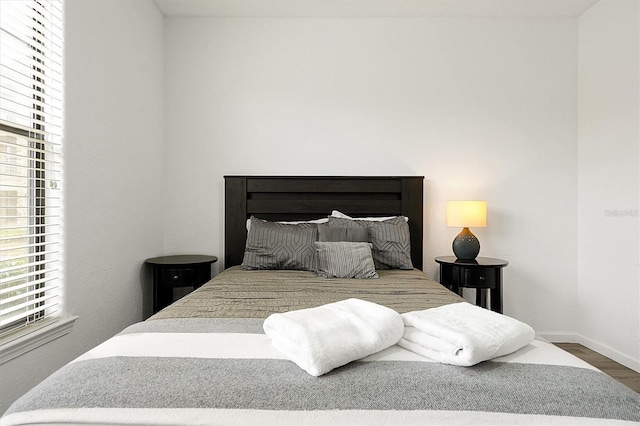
336,213
295,222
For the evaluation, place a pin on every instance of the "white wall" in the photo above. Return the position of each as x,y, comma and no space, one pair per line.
483,108
113,174
609,134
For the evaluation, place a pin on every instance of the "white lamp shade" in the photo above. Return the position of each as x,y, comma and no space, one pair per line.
467,214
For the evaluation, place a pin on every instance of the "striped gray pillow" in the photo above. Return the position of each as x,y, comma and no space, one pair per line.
332,233
345,259
272,245
390,239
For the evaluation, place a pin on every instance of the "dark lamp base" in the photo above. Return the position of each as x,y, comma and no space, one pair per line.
466,246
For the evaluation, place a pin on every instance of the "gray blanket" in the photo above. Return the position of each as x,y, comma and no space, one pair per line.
275,385
235,293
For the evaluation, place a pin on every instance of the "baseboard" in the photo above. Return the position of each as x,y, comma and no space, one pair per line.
558,337
605,350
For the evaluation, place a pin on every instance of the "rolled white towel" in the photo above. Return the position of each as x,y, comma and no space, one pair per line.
463,334
329,336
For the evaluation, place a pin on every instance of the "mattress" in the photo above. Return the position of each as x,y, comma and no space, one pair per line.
206,360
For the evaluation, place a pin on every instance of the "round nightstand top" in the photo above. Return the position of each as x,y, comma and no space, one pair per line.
480,261
182,259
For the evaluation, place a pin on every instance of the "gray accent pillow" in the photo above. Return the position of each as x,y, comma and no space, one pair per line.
272,245
330,233
345,259
390,239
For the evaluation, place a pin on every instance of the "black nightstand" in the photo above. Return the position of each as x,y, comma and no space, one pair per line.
171,272
483,273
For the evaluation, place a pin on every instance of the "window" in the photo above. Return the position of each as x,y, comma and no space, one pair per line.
31,43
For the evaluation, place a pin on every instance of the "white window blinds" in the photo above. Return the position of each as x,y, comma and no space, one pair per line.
31,42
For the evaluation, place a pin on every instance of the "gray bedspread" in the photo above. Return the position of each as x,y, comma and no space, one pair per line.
205,360
235,293
219,387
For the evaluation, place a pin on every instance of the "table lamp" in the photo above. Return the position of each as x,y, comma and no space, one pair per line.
465,215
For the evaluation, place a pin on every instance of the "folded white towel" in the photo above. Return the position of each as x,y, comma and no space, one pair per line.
463,334
329,336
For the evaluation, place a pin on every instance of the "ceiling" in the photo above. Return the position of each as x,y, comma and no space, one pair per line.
374,8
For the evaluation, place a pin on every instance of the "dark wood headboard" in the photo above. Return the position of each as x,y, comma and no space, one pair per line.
276,198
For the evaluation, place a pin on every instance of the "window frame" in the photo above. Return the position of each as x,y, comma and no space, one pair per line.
32,113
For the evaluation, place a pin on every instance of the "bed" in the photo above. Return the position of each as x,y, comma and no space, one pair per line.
205,359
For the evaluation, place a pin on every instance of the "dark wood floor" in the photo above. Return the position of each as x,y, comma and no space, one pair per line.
619,372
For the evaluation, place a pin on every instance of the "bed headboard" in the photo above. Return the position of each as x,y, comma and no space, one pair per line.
276,198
